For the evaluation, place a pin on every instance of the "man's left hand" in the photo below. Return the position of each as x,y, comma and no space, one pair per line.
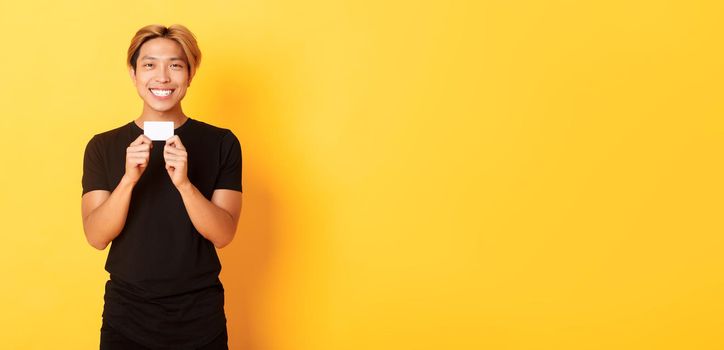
174,153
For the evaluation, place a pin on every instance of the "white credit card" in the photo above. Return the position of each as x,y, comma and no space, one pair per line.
158,131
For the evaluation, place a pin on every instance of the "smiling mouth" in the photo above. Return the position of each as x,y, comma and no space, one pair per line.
161,92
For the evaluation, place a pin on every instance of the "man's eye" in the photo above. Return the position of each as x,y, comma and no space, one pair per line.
177,65
148,64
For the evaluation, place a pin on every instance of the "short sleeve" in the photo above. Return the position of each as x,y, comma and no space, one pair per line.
94,174
230,159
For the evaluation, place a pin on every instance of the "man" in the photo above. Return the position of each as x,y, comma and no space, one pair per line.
165,205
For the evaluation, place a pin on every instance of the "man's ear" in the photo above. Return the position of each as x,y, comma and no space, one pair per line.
132,72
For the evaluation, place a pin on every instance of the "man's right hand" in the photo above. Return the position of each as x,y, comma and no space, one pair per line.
138,154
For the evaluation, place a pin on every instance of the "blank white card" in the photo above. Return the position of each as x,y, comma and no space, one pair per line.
158,131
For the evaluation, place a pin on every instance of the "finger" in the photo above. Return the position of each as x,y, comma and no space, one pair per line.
169,155
138,140
138,159
171,150
145,147
175,141
131,157
174,163
141,139
172,139
141,162
139,155
174,157
143,144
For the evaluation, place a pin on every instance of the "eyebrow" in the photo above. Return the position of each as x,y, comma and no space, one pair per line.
154,58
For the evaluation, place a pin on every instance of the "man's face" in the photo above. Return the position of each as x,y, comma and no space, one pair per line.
161,67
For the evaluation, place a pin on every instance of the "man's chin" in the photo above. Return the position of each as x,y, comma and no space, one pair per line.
161,107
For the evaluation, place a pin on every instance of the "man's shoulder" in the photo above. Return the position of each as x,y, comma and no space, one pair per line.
107,137
210,129
113,132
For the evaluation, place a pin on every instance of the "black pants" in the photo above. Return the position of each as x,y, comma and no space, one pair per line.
112,340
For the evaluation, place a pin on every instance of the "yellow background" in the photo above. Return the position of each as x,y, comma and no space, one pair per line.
417,175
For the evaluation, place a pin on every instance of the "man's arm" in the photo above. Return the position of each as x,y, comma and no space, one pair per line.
104,213
216,219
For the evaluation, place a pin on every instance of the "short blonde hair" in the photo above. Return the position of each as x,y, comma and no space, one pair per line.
176,32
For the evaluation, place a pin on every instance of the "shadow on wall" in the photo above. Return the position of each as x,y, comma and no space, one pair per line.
246,261
245,272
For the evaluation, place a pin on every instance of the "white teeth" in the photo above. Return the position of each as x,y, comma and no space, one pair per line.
161,92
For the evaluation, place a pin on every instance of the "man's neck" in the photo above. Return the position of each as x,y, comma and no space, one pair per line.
176,116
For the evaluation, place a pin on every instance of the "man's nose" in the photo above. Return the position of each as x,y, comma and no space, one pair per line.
163,76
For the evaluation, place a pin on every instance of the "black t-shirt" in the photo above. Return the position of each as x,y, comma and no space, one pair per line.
164,289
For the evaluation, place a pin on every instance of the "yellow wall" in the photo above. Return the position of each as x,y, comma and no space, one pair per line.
459,175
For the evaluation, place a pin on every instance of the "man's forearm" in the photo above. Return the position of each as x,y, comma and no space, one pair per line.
212,222
106,222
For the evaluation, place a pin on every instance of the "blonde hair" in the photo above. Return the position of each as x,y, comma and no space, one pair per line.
176,32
